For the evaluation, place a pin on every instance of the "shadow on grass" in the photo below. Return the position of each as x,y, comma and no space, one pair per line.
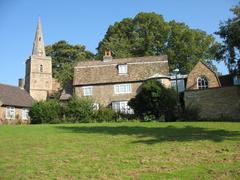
151,135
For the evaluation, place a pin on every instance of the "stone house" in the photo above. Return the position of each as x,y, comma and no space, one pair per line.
113,82
14,104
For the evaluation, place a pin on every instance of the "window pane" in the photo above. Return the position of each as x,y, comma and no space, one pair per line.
202,82
10,113
122,88
122,69
87,91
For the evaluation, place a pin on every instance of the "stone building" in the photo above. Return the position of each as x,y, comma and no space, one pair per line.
39,82
14,104
113,82
213,97
202,77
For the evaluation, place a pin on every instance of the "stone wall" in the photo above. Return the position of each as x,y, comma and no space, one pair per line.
18,117
216,103
56,86
104,94
38,83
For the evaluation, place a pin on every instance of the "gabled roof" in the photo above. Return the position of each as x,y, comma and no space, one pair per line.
14,96
210,70
100,72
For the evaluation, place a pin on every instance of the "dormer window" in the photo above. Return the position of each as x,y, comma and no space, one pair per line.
122,69
41,68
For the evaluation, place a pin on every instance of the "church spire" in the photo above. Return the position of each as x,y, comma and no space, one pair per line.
38,44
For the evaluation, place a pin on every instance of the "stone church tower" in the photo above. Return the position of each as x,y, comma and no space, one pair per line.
38,76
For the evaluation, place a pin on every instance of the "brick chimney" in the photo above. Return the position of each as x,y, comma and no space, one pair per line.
107,56
21,83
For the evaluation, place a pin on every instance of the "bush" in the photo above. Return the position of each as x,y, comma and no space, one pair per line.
153,101
45,112
105,115
79,110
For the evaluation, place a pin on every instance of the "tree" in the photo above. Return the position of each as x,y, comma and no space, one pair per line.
154,99
148,34
64,58
229,31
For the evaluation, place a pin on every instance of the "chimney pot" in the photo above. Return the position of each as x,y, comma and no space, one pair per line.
107,56
21,83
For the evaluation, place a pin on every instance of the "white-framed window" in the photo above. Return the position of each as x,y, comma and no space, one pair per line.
87,91
122,69
25,115
121,106
122,88
10,112
202,82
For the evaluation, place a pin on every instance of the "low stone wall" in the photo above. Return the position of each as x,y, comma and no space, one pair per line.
216,103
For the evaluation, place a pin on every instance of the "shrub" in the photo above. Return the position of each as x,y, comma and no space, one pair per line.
154,100
79,110
105,114
45,112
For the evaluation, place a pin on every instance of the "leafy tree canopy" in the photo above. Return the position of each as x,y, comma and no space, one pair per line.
229,31
149,34
64,57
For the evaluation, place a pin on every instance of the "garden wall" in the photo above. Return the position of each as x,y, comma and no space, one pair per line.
216,103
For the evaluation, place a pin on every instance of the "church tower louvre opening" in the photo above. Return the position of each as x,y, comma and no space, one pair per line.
38,75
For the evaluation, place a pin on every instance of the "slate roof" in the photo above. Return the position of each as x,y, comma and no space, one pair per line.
14,96
101,72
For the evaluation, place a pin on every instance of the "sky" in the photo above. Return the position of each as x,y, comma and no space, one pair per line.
86,22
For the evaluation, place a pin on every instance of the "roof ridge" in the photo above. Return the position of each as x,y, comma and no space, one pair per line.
10,85
114,59
205,64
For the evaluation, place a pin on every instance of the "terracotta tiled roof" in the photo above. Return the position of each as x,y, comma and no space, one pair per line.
139,69
14,96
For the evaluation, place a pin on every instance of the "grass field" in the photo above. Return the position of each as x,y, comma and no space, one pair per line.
203,150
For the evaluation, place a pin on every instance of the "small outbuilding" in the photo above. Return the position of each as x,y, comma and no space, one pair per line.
15,103
202,77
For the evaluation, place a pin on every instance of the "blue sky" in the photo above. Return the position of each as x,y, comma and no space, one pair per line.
86,22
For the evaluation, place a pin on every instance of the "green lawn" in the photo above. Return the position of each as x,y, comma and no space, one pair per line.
196,150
